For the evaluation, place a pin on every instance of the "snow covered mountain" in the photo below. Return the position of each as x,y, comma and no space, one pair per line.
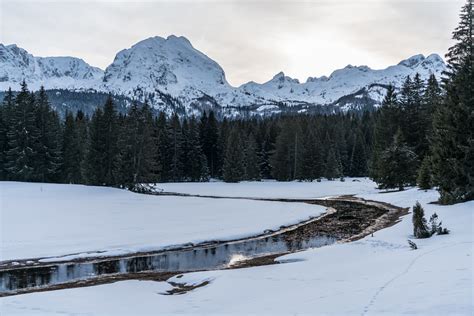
172,66
345,81
16,65
171,72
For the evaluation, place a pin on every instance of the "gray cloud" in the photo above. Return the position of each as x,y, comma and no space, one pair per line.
251,40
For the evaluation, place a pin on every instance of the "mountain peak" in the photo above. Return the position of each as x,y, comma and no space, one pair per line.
413,61
178,39
158,41
434,58
279,75
170,65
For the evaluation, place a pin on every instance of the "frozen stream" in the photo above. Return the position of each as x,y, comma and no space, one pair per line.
347,218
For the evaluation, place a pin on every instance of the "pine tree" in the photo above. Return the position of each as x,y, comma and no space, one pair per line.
432,98
398,165
186,148
414,129
420,228
209,134
71,167
93,163
103,152
234,168
6,110
435,227
386,125
453,125
198,167
287,159
312,158
333,168
424,179
163,146
48,155
176,138
358,160
110,131
82,134
267,150
339,141
22,136
223,133
137,148
252,168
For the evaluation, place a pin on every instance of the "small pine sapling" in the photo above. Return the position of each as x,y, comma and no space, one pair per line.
420,228
435,226
413,246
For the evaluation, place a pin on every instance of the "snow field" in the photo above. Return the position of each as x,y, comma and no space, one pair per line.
377,275
42,220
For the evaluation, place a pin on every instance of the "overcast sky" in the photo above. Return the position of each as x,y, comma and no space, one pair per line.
250,39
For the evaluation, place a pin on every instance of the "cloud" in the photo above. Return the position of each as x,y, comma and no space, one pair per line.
251,40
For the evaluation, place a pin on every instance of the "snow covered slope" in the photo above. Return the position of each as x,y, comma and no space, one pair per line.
16,65
171,71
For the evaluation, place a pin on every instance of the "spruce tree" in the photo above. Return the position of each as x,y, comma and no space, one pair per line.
312,158
414,127
163,146
333,167
176,138
432,98
234,168
358,160
420,227
453,125
82,134
48,156
267,150
424,179
186,147
6,110
103,152
197,161
387,123
137,148
252,168
22,136
109,130
398,165
209,134
71,156
94,172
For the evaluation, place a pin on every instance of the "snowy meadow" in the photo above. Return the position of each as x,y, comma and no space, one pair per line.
379,274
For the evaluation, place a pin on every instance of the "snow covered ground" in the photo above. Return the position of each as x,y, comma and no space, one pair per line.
373,276
39,220
274,189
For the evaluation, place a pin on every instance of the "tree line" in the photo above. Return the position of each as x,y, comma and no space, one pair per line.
126,150
422,134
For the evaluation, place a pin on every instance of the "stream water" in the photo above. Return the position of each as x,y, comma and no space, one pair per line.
206,257
345,219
